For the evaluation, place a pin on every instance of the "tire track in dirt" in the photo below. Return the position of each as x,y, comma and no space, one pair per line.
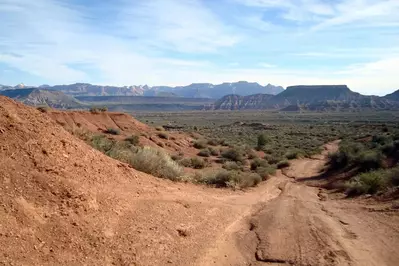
297,226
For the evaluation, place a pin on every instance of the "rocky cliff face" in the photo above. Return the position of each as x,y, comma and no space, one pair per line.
314,98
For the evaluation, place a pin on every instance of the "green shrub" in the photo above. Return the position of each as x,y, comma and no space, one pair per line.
200,144
232,166
393,176
102,143
248,180
133,139
103,109
176,157
213,142
367,183
198,163
263,139
163,135
94,110
233,154
266,171
157,163
283,164
368,160
258,163
252,154
214,151
112,131
220,178
293,154
195,162
204,153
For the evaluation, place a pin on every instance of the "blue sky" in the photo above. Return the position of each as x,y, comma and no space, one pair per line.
178,42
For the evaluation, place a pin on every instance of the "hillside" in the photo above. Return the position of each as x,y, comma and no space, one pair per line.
310,98
140,103
394,96
237,102
63,203
98,123
195,90
43,97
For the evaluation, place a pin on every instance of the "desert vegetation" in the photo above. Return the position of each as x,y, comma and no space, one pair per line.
372,160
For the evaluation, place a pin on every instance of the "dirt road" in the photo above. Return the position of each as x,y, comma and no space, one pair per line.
63,203
294,224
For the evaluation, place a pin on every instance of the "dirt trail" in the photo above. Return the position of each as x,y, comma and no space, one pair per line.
294,225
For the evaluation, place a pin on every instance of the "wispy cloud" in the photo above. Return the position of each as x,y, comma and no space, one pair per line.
175,42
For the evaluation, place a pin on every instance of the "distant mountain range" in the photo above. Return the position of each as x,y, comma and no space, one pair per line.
312,98
43,97
294,98
195,90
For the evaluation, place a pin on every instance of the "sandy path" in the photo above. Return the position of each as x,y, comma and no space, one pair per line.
288,224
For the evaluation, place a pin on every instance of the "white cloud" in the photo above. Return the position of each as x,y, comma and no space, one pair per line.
53,37
266,65
172,42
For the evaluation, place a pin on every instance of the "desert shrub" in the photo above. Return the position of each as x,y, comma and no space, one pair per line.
214,151
293,154
194,162
43,109
176,157
233,154
159,128
389,149
393,176
233,179
156,162
163,135
112,131
102,143
266,171
283,164
252,154
258,163
220,178
103,109
366,183
94,110
213,142
204,153
200,144
346,155
198,163
263,139
248,180
368,160
229,165
273,159
133,139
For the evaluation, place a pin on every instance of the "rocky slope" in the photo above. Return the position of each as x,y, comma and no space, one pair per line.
394,96
237,102
43,97
313,98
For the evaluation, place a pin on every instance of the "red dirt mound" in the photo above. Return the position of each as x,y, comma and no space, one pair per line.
99,122
63,203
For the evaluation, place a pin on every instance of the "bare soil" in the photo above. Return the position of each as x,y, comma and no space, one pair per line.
63,203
